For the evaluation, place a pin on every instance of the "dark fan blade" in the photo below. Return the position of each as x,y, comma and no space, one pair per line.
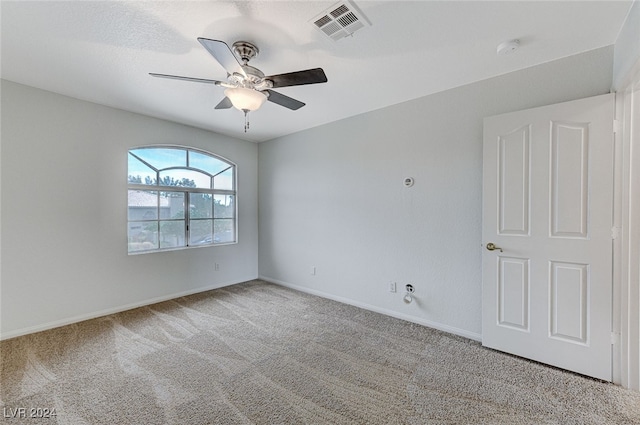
195,80
224,103
283,100
299,78
223,54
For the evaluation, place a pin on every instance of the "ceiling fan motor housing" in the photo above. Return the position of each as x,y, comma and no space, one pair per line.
254,77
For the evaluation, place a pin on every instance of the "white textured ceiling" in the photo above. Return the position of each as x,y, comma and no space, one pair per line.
103,51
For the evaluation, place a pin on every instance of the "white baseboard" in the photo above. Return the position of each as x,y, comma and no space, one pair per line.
106,312
435,325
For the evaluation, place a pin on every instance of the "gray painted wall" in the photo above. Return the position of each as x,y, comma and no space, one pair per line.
64,223
332,197
627,47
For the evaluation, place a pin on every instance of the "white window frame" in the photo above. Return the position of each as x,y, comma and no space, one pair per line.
187,193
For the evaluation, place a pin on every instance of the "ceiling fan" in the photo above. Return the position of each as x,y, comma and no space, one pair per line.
247,88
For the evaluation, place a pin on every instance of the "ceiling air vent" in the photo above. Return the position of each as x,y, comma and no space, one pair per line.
341,20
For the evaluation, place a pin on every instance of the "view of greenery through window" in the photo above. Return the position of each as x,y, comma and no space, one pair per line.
163,181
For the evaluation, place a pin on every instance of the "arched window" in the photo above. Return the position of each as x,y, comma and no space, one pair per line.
180,197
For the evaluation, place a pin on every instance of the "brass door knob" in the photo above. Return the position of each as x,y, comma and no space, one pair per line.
492,247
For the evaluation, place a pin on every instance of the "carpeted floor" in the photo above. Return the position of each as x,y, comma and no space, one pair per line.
260,353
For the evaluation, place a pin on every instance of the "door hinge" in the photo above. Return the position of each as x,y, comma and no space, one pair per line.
616,126
615,232
615,338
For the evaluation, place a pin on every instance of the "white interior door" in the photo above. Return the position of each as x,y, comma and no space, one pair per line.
547,210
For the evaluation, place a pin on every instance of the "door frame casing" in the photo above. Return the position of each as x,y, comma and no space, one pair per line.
626,229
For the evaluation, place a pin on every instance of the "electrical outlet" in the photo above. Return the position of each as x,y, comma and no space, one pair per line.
392,287
216,267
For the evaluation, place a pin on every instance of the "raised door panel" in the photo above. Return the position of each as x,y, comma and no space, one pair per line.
569,302
514,182
569,179
513,293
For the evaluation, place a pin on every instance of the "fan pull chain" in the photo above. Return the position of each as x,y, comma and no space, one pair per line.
246,120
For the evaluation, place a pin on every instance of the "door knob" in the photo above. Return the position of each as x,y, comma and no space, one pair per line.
492,247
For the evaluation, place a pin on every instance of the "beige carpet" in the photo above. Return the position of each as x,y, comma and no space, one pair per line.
260,353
